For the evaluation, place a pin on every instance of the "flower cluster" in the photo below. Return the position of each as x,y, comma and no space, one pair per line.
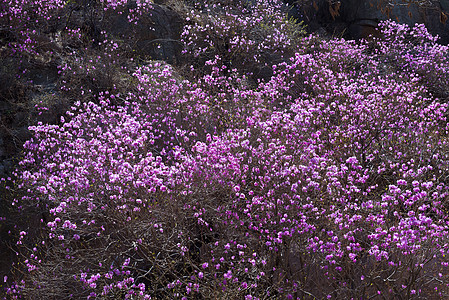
242,36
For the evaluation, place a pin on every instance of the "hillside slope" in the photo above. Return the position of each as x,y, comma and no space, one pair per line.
206,150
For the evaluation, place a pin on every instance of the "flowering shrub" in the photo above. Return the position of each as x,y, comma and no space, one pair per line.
326,180
248,38
412,51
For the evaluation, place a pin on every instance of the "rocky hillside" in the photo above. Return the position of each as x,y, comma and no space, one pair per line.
224,149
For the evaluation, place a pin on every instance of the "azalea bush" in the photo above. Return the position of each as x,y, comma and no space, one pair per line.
326,179
248,37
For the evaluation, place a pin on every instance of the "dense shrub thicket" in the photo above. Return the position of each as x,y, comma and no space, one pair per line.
268,164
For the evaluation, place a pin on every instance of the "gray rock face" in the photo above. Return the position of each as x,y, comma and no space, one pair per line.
17,111
156,35
357,19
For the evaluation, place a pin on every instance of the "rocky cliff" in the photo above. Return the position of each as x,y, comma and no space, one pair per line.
357,19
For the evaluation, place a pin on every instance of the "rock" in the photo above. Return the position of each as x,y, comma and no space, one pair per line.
444,5
17,106
363,29
156,35
356,19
